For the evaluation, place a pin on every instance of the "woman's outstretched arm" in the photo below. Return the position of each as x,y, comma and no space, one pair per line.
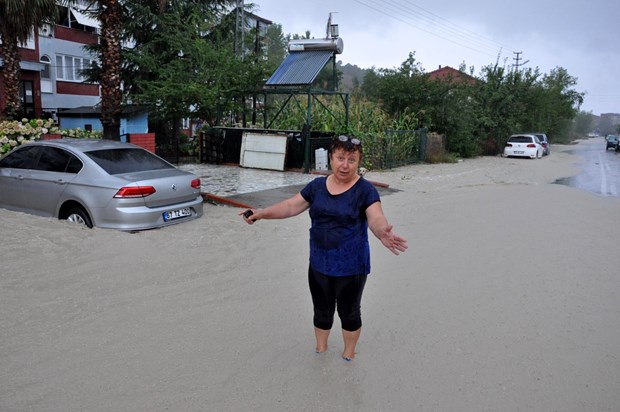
380,227
281,210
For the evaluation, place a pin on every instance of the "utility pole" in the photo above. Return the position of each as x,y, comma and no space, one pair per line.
517,59
240,29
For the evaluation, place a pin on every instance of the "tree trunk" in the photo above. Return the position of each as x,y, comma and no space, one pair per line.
111,94
11,75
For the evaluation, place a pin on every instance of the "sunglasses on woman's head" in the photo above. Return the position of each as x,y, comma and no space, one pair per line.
353,140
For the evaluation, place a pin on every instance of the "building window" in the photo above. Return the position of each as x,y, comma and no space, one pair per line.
76,19
28,44
60,69
70,68
46,74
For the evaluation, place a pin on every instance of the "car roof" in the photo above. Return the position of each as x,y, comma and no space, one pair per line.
85,145
524,134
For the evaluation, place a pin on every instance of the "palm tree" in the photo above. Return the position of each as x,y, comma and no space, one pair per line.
18,20
108,73
111,19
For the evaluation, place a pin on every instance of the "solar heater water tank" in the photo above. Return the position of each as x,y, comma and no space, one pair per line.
335,45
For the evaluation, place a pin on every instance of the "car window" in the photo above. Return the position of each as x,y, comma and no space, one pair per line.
21,158
117,161
54,159
520,139
75,165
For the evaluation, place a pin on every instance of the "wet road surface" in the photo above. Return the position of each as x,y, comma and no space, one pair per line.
600,168
252,188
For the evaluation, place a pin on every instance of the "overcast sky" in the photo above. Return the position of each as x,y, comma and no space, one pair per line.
584,39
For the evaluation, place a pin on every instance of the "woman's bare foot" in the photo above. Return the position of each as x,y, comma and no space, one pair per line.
321,339
348,358
350,341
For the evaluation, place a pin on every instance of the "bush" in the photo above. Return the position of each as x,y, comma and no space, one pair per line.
15,133
80,134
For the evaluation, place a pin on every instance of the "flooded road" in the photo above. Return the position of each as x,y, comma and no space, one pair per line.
600,168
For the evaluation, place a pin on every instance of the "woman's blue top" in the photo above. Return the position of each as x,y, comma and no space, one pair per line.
339,231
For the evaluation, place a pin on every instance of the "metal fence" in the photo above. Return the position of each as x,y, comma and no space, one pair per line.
398,148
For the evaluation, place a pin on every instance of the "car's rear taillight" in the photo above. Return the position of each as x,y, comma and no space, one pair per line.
135,191
531,145
508,145
196,183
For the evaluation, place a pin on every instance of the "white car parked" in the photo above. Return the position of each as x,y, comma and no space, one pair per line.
523,145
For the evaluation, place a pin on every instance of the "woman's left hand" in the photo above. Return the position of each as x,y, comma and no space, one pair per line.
392,241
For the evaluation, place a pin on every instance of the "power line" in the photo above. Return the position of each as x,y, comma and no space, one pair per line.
438,22
436,25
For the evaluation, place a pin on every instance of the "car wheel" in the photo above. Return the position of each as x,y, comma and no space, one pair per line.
79,215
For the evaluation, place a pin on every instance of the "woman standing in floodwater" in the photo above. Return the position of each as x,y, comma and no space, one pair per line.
342,207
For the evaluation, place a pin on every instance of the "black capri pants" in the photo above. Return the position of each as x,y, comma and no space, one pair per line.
341,292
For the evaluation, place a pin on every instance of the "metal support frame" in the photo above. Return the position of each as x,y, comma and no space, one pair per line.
311,96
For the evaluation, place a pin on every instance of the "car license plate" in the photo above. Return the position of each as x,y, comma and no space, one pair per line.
519,152
176,214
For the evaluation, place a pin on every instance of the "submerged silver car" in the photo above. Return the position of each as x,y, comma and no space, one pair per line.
98,183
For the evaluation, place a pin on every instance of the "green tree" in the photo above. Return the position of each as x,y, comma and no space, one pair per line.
182,62
370,84
477,117
18,20
453,114
495,107
276,46
561,101
400,90
510,101
584,123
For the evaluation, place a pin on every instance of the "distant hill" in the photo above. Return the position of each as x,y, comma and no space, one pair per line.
351,72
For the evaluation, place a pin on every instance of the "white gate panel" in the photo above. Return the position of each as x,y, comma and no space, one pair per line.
263,151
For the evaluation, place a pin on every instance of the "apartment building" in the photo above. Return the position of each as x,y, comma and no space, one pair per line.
51,61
